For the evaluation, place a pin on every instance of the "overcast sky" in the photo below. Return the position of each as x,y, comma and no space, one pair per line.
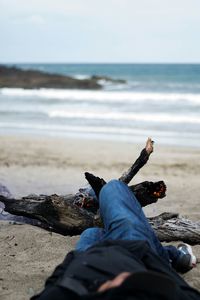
99,31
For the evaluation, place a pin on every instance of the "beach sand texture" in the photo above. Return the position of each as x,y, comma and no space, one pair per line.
38,165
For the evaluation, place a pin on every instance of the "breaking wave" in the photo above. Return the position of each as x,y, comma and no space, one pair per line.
100,96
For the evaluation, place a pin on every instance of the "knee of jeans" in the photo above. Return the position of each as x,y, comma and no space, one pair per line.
114,182
111,184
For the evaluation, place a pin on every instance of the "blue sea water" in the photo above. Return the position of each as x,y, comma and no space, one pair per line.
157,100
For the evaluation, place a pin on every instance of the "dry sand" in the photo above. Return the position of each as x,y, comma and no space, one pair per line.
38,165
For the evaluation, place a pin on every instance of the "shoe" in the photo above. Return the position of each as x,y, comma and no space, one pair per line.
187,260
95,182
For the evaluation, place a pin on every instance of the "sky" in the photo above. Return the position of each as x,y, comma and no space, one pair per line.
100,31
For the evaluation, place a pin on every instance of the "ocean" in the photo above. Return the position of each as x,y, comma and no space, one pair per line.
158,100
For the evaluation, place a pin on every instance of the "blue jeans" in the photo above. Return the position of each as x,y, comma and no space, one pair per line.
123,219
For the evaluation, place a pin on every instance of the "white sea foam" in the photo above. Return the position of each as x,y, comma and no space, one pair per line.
100,96
68,112
81,76
151,117
68,128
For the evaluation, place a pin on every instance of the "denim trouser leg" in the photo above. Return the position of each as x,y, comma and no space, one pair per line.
89,237
123,219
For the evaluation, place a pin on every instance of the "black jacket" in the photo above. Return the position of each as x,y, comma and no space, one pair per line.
81,273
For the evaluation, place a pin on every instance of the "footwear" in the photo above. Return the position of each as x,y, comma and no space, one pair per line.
187,260
95,182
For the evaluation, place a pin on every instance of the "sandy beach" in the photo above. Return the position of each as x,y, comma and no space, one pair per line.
52,165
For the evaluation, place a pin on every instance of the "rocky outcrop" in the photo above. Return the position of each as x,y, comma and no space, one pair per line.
31,79
12,77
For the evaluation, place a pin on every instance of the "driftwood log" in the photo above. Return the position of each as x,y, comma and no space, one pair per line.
60,214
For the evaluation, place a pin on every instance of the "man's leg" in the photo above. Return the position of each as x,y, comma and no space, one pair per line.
89,237
123,217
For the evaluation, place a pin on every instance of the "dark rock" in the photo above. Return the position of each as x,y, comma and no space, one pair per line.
12,77
108,79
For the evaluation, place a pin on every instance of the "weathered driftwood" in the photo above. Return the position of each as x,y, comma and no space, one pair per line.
59,214
170,227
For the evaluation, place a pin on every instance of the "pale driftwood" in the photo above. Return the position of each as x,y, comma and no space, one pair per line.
170,227
59,214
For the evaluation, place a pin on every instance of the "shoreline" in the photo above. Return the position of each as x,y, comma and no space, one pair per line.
96,138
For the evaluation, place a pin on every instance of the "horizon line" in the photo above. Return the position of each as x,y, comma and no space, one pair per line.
104,63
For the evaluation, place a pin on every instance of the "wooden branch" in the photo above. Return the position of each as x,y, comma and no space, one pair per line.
170,227
60,214
57,213
136,166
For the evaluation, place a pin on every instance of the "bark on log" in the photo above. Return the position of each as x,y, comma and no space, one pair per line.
172,227
59,214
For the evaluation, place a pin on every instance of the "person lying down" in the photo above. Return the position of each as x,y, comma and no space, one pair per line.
124,260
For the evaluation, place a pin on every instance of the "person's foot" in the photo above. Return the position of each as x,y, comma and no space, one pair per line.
95,182
187,260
